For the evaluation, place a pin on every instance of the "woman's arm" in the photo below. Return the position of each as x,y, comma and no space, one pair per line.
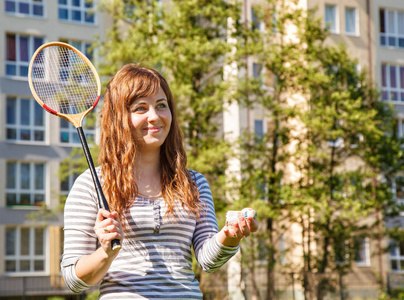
210,253
92,268
82,238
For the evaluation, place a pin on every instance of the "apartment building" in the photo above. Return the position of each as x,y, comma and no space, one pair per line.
373,32
33,143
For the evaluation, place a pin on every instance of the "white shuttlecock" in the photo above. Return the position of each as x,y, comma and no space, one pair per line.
233,216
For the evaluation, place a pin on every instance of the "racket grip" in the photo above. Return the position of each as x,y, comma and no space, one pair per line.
115,244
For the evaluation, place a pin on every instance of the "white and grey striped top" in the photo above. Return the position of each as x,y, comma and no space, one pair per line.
155,261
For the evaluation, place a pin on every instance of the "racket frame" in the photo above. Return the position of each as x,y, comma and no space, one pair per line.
76,120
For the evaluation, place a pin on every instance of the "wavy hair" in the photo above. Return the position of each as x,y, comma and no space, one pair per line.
118,146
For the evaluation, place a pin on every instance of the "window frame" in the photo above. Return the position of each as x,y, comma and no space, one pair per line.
397,189
31,4
68,135
259,135
356,21
31,256
336,18
364,247
82,9
18,63
387,88
32,191
69,181
394,38
34,108
398,257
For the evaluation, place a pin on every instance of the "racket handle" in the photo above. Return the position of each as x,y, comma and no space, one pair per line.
102,202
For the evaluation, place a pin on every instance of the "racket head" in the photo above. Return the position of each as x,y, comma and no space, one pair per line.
64,81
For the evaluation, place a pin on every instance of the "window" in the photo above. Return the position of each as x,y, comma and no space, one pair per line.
25,120
256,23
361,248
25,183
331,18
397,256
341,251
259,128
398,189
351,21
257,69
84,47
25,249
19,50
78,11
67,181
69,135
282,249
391,28
33,8
392,82
356,249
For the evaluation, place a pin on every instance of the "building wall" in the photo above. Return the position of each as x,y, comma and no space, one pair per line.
50,151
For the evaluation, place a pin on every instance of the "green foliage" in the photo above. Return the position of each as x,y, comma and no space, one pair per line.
329,156
93,295
185,40
325,120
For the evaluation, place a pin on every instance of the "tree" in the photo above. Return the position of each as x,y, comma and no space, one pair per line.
341,159
319,163
185,40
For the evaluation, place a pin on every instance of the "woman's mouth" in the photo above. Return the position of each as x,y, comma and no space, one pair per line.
153,129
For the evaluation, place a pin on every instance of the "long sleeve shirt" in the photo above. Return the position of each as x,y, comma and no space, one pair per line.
155,261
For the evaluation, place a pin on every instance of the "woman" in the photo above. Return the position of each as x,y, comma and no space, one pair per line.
159,208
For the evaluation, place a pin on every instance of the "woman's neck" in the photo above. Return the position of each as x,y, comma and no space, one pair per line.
148,164
148,174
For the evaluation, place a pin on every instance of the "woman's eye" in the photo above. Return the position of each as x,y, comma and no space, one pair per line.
162,105
139,108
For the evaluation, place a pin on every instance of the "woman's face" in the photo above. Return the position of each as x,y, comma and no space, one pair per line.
151,118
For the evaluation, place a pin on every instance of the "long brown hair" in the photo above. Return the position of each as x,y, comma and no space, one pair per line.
119,148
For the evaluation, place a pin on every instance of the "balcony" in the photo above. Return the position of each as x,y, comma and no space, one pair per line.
34,286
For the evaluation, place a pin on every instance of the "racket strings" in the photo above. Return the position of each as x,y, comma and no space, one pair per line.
63,81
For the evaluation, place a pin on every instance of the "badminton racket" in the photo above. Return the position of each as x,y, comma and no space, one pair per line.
66,84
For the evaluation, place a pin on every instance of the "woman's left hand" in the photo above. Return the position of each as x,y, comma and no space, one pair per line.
231,235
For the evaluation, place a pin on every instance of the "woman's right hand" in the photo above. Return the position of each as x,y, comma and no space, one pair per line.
107,228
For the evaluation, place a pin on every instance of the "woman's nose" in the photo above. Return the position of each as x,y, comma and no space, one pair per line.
152,115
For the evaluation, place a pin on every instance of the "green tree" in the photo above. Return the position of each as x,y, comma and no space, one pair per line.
264,159
341,198
324,119
186,41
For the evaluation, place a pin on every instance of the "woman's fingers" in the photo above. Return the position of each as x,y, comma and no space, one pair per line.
243,226
107,226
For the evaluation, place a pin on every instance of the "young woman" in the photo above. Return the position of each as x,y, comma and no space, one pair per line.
160,209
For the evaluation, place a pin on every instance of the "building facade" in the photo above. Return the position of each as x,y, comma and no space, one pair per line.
33,143
373,33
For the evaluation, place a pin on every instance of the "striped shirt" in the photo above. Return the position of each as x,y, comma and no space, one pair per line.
155,261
